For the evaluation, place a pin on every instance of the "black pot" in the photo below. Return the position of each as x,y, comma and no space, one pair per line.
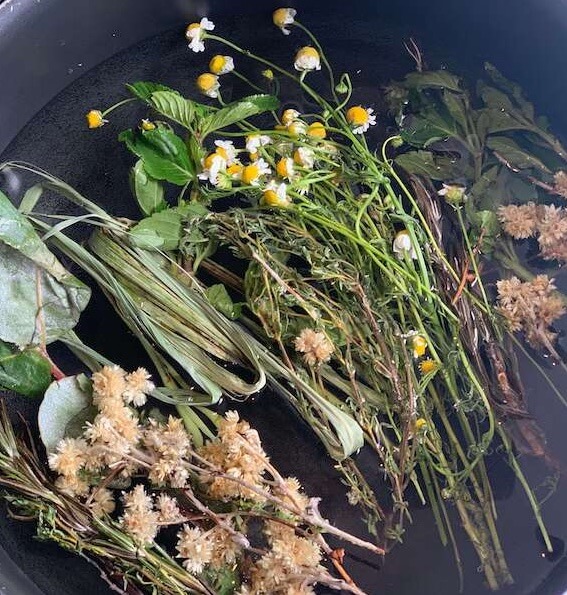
60,58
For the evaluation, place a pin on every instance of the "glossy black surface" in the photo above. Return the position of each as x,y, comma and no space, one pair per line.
52,48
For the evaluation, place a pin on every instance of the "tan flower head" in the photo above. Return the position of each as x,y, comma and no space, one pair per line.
102,502
69,457
315,346
519,221
195,547
108,383
138,387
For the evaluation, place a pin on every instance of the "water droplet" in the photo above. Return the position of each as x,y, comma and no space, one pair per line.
557,545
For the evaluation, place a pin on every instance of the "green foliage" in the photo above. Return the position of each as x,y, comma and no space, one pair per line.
160,231
25,372
148,192
221,300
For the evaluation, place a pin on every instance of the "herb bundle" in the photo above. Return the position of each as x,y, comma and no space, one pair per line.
360,298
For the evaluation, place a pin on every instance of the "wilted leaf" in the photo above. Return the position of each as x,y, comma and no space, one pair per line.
428,164
148,192
516,156
25,372
64,400
163,153
238,111
219,298
29,273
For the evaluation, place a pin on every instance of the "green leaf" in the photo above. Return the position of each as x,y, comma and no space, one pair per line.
512,89
516,156
238,111
163,153
30,277
148,192
428,164
457,107
221,300
481,189
25,372
224,579
175,107
144,90
64,400
434,79
428,126
159,231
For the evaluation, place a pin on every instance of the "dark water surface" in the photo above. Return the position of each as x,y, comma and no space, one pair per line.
370,48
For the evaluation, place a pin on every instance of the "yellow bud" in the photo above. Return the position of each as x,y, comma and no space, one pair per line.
147,125
95,119
268,74
250,174
419,345
317,130
357,115
420,424
217,64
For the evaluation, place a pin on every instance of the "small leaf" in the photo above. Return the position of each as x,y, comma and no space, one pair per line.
64,400
159,231
221,300
238,111
175,107
163,153
516,156
143,90
434,79
148,192
427,127
512,89
25,372
480,191
457,107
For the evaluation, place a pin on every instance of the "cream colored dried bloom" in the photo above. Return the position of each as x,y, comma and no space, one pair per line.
195,547
291,494
315,346
69,457
108,383
519,221
225,548
102,502
293,551
552,228
72,485
140,521
168,509
560,179
138,387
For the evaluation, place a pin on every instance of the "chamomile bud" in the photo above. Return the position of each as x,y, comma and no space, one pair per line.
420,424
285,168
196,32
306,59
418,345
317,130
212,165
403,246
235,171
252,173
275,195
95,119
428,366
360,118
268,74
297,128
283,17
221,64
289,116
304,156
147,125
453,193
208,84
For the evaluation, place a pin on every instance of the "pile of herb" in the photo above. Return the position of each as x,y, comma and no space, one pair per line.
343,278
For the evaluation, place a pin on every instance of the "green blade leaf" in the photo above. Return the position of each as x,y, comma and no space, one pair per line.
148,192
25,372
160,231
427,127
427,164
238,111
221,300
512,89
162,152
30,277
65,400
175,107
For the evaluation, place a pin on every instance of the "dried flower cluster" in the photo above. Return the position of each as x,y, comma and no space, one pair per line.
547,222
560,183
173,483
315,347
531,307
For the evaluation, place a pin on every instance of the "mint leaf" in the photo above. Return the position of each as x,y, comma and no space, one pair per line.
25,372
148,191
160,231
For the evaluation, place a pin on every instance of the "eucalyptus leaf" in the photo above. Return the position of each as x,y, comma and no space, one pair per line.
161,230
162,152
64,400
238,111
148,192
25,372
221,300
39,299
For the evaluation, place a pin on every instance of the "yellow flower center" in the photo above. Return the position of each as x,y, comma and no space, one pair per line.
94,119
271,198
428,366
217,63
209,160
317,130
284,167
357,115
254,155
307,52
419,345
280,16
250,174
289,116
206,81
222,152
193,26
234,170
420,423
296,128
147,125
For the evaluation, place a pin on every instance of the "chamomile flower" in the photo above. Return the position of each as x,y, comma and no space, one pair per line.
307,58
418,345
453,193
360,118
297,128
254,142
427,366
289,116
196,32
252,173
403,246
317,130
146,125
420,424
304,156
95,119
283,17
275,195
212,164
208,84
221,64
227,150
285,168
234,171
